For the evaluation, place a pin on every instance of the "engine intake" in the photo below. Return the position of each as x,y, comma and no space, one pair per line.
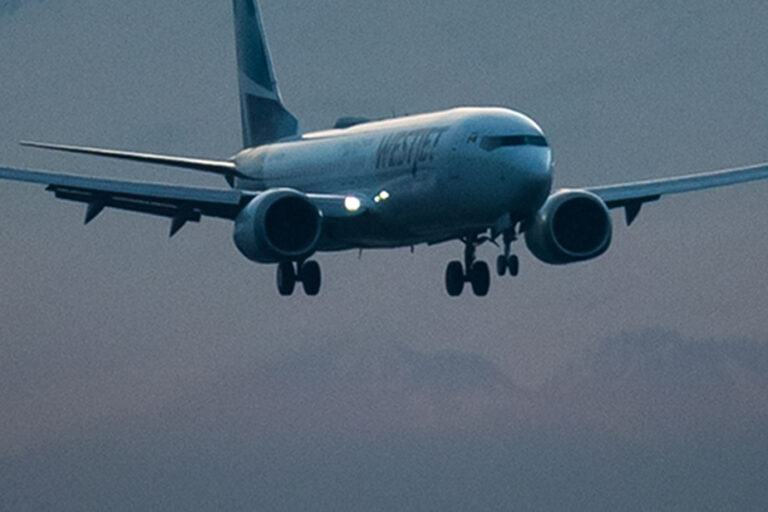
573,225
278,225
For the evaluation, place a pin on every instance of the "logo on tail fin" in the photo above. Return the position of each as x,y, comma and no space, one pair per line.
264,117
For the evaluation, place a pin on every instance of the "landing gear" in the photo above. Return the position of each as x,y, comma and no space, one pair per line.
310,278
308,273
286,278
508,261
454,278
504,264
480,277
476,273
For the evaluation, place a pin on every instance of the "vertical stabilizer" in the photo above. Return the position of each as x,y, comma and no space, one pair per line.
264,117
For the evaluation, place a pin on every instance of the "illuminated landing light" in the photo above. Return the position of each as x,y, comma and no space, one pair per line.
352,204
381,196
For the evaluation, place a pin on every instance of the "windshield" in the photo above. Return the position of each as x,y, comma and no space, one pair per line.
489,143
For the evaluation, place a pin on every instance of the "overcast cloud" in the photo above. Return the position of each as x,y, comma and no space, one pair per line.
138,372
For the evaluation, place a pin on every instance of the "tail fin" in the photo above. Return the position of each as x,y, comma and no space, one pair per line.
264,117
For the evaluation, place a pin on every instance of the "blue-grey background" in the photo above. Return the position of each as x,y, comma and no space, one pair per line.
142,373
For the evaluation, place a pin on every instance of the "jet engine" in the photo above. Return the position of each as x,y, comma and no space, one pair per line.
278,225
571,226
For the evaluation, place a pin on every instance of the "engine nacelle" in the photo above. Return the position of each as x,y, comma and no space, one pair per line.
571,226
278,225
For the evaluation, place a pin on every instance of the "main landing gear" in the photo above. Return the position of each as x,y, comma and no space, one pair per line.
477,273
307,273
474,272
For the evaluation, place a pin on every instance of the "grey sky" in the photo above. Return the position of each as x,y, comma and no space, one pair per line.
113,336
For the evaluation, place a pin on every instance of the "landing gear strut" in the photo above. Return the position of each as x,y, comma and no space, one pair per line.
474,272
307,273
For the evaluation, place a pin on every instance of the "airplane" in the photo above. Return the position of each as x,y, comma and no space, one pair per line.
474,174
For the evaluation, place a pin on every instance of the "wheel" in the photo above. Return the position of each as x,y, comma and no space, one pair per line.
286,278
310,278
454,278
480,276
501,265
514,265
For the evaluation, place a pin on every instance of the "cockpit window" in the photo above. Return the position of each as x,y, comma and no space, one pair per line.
489,143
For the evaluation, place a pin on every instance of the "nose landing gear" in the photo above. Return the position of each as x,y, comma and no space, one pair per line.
508,261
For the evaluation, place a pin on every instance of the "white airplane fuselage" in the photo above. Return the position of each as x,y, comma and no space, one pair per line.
432,177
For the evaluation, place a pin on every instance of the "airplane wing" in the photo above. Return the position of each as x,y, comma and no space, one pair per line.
222,167
182,204
632,196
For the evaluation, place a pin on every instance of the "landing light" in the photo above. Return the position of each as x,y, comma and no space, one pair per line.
352,204
381,196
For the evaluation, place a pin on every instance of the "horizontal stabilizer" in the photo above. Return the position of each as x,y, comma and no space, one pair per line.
221,167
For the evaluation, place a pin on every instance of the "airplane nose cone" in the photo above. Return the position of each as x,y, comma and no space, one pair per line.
536,160
547,162
536,166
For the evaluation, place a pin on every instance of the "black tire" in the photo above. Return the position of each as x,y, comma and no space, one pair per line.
514,265
286,278
501,265
480,278
454,278
311,278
